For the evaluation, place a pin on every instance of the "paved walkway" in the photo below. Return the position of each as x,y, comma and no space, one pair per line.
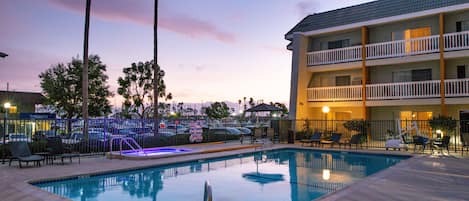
422,177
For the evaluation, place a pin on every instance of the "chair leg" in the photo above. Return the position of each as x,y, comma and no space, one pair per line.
9,163
19,162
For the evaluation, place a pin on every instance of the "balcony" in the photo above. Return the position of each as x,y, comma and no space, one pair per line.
398,48
390,91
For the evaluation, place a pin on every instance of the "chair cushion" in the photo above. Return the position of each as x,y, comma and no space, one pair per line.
31,158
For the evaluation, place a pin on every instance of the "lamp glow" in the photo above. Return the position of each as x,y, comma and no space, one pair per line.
326,109
7,105
326,174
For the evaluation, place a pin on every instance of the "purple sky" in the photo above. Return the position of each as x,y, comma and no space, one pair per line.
211,50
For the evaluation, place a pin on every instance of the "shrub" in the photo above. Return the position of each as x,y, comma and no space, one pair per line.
444,123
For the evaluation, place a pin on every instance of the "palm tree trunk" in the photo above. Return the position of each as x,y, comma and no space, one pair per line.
155,71
85,71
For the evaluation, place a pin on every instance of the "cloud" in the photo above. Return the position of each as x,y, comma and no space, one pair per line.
305,8
135,12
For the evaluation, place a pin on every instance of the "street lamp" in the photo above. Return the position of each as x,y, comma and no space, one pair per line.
7,106
325,110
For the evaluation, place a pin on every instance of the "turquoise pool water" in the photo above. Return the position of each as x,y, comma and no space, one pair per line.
279,175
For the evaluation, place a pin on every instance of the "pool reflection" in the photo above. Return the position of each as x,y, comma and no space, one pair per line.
294,175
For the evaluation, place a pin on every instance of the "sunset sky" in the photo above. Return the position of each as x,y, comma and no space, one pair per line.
211,50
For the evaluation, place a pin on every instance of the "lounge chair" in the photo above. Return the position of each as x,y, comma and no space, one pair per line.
444,143
464,142
20,151
335,139
315,138
57,150
355,139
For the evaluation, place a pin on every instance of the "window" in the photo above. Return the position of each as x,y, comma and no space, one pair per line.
461,72
416,122
462,26
402,76
338,44
421,75
342,80
408,34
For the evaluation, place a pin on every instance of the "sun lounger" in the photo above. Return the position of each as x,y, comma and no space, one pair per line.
20,151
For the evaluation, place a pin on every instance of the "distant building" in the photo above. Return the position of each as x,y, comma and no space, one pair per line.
25,102
382,60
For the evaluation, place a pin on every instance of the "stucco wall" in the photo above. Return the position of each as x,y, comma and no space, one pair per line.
383,74
326,79
354,36
451,67
452,18
382,33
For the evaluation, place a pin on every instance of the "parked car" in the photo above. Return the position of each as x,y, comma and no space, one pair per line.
18,137
179,129
43,135
224,131
244,131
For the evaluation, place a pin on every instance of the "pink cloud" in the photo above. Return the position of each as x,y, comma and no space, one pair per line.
136,12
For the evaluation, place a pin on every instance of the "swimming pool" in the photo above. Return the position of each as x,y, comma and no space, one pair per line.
155,152
284,174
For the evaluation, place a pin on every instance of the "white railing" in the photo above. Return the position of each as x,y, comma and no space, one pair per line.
340,55
343,93
403,90
457,87
391,91
456,41
399,48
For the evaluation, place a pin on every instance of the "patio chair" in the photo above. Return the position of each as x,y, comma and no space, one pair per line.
444,143
20,151
335,139
57,150
315,138
464,142
354,140
419,141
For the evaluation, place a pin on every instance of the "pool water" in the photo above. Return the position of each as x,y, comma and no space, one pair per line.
155,152
278,175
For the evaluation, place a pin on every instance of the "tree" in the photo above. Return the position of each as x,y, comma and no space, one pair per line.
136,86
62,86
281,106
217,110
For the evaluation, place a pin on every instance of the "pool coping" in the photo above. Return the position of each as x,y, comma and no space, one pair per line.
208,156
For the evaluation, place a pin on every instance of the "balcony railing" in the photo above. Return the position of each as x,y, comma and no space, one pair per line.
345,93
347,54
403,90
398,48
391,91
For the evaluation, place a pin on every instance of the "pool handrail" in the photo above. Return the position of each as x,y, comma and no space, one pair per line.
208,192
122,140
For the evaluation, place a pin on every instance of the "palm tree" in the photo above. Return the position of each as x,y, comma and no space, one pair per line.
155,70
85,70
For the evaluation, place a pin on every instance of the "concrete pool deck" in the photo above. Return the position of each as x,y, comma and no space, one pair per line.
422,177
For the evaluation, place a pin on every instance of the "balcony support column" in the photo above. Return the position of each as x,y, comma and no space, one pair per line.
299,79
444,110
364,31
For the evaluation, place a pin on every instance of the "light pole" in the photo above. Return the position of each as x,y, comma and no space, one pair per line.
7,106
325,110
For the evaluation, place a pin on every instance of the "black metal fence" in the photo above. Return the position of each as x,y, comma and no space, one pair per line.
378,132
101,131
176,132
